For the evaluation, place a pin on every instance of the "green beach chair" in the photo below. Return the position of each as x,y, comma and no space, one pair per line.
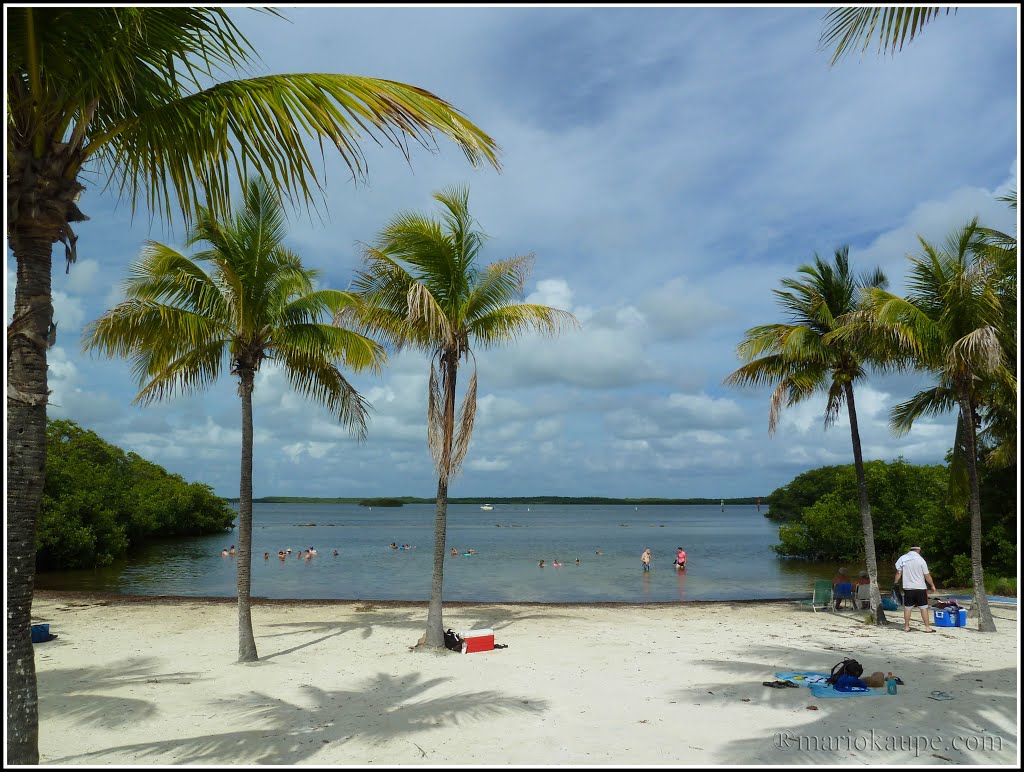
821,597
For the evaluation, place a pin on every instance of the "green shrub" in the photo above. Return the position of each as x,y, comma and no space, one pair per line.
963,573
1001,585
99,502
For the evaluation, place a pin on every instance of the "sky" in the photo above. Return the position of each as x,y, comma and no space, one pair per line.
667,167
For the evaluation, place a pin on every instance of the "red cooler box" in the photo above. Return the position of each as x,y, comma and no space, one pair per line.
477,640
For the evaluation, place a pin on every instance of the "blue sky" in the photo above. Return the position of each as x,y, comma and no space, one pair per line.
667,166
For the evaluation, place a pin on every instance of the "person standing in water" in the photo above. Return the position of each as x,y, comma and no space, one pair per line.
680,558
645,559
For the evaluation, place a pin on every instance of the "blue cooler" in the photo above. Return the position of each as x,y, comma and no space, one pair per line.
950,618
40,633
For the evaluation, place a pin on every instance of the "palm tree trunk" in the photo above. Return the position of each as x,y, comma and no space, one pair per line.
246,641
434,635
986,623
27,394
865,509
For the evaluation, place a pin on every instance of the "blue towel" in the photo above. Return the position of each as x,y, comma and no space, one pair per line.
820,687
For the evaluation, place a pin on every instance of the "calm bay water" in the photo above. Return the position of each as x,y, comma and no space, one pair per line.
729,556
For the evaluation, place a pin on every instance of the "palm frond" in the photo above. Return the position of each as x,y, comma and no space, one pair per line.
463,429
436,432
192,371
317,379
929,402
256,127
506,323
304,342
849,27
834,402
425,310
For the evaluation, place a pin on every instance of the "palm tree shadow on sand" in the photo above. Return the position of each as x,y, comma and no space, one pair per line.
290,732
79,700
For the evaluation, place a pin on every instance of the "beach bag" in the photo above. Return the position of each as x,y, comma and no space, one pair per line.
889,604
452,640
848,667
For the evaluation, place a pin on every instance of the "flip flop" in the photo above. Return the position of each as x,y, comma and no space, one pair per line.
772,684
899,681
790,684
940,696
931,630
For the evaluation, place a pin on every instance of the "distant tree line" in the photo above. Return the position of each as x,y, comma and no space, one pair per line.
99,502
400,500
819,518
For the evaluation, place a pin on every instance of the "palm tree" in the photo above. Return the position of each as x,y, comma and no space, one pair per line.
952,325
999,427
179,325
130,96
423,287
796,358
847,27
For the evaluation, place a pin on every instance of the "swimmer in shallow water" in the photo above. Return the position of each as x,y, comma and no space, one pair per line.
540,563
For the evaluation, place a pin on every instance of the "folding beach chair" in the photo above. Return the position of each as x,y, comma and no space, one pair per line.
842,591
862,596
821,596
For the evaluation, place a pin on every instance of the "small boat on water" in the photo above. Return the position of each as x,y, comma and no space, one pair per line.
486,506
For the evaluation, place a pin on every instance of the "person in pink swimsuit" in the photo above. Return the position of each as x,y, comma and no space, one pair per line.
680,558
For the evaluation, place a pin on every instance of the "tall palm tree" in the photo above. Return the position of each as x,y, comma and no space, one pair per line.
130,96
423,287
796,358
951,325
1000,407
848,27
179,325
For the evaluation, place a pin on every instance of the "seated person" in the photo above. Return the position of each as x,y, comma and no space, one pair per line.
842,587
863,580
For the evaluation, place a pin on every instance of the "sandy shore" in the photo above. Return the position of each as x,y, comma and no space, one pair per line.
156,683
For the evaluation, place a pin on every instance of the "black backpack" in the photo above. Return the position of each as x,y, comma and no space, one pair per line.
452,640
848,667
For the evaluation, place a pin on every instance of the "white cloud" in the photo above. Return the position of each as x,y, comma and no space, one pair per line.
667,169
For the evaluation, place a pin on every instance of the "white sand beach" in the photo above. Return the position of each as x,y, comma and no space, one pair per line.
155,682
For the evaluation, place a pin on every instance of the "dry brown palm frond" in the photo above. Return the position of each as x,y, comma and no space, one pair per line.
435,422
464,425
423,309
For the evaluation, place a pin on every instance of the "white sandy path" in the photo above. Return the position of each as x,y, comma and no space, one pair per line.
156,683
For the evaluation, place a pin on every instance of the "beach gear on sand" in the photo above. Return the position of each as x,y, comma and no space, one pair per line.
848,667
452,640
818,685
41,633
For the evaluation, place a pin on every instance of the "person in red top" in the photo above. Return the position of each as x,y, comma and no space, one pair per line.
680,558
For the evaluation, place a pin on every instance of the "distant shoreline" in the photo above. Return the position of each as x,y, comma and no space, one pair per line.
110,598
750,500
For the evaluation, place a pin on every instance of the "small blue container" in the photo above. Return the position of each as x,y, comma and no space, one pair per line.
40,633
945,618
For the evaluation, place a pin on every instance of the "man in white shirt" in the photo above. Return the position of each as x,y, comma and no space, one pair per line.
913,570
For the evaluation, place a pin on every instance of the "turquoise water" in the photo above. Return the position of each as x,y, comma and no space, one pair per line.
729,556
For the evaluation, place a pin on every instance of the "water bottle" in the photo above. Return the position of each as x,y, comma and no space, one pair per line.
890,684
